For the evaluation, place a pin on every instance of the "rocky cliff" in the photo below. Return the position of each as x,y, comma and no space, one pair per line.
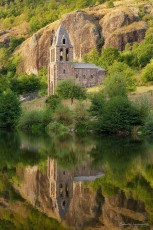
94,27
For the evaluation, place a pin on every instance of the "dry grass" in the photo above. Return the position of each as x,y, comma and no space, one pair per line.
39,104
142,91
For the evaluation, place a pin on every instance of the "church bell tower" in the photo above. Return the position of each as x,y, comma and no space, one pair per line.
61,55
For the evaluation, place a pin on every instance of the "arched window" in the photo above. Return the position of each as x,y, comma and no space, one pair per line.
76,76
91,76
64,71
61,54
64,41
67,54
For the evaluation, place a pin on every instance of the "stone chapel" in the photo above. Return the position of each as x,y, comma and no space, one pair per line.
61,65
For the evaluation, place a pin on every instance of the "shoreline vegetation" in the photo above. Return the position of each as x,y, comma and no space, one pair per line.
108,111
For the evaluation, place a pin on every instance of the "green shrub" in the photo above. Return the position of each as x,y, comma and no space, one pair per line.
110,4
81,118
97,103
52,102
10,109
34,121
63,115
148,126
119,115
58,128
147,73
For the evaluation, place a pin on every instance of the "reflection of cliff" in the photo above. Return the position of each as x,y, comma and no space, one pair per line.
63,195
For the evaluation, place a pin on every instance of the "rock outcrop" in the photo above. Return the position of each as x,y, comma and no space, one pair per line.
92,28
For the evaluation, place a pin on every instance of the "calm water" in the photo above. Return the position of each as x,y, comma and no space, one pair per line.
75,182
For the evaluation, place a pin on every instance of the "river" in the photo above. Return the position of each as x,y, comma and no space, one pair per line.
72,182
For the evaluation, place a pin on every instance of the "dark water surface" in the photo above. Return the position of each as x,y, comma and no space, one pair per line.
75,182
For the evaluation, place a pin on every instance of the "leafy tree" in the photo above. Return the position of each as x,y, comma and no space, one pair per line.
97,103
52,102
109,55
10,109
118,115
147,73
115,85
123,70
68,89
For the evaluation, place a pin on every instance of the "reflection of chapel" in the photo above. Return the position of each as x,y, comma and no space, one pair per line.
61,65
62,184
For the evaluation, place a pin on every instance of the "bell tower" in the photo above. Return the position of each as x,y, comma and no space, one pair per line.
61,53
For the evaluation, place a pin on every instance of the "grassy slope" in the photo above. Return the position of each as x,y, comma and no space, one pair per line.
142,91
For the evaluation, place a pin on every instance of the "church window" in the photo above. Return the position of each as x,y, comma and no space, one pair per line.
64,41
67,54
61,54
67,190
91,76
64,71
63,203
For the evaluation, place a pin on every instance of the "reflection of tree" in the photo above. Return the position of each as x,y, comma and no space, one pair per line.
12,152
129,167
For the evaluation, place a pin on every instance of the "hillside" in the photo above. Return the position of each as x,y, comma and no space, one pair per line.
94,27
125,26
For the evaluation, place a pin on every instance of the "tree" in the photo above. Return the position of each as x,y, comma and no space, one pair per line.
68,89
147,73
10,109
109,55
123,70
115,85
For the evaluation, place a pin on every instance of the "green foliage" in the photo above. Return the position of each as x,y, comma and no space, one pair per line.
109,56
118,115
63,115
147,73
125,72
110,4
149,124
115,85
14,42
58,128
3,57
81,118
25,84
42,76
97,103
34,121
68,89
52,102
10,109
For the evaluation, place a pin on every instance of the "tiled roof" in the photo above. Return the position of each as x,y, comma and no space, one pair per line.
80,65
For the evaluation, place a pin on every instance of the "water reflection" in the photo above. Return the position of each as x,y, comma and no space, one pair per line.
86,183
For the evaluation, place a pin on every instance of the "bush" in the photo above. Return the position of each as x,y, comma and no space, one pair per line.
110,4
97,103
10,109
34,121
148,126
119,115
58,128
63,115
52,102
81,118
68,89
147,73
